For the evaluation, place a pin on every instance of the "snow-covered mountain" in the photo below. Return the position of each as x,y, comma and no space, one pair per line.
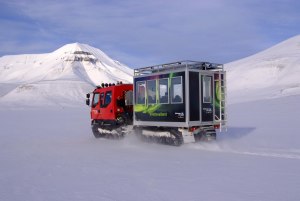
272,73
65,75
60,77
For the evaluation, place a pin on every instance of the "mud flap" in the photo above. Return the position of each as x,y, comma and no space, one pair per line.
188,137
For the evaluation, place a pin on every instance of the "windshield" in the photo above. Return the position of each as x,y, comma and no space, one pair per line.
95,100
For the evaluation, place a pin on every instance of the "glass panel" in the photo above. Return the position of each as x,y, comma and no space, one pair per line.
151,91
140,92
176,88
164,91
207,89
95,100
107,99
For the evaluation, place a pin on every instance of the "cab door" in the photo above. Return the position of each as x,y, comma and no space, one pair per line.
95,111
107,106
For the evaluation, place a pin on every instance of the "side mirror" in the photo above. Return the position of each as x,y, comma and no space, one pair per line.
88,96
87,102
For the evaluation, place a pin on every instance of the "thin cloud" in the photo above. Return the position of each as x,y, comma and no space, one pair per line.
145,32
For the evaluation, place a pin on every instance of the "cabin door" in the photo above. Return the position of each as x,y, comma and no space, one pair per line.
207,98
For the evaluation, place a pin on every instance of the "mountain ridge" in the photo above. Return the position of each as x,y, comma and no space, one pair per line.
80,64
65,60
75,69
272,73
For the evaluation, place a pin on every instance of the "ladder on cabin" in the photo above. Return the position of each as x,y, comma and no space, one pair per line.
221,114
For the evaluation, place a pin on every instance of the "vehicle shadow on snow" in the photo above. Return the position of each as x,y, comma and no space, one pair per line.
234,133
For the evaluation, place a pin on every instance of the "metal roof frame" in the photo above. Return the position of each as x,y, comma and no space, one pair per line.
186,64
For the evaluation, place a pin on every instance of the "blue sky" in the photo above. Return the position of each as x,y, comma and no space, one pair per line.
146,32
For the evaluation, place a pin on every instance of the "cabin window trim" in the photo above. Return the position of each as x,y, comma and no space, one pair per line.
138,102
167,95
180,90
96,99
207,89
102,99
107,99
148,94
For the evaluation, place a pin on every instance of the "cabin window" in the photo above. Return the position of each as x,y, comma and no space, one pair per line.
176,90
151,91
164,90
95,100
105,100
140,92
207,97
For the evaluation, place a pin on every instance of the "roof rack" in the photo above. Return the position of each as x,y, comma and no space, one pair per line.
199,65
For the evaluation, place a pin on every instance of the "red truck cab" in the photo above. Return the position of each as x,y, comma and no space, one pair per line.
108,102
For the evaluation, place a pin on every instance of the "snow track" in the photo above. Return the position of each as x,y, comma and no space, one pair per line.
219,147
272,153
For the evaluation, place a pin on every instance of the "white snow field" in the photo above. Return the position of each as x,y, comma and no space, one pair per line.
48,152
51,154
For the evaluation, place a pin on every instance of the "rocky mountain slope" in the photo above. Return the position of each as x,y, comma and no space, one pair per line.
62,77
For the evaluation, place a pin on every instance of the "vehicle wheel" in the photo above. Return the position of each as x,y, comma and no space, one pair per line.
96,132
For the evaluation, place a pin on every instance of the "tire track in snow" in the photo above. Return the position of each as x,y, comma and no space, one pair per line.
289,154
266,154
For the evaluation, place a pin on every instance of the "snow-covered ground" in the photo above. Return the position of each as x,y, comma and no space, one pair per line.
51,154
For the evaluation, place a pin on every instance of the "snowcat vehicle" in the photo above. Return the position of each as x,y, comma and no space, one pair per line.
173,103
110,113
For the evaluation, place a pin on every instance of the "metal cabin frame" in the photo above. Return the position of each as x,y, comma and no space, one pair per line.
204,68
187,64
